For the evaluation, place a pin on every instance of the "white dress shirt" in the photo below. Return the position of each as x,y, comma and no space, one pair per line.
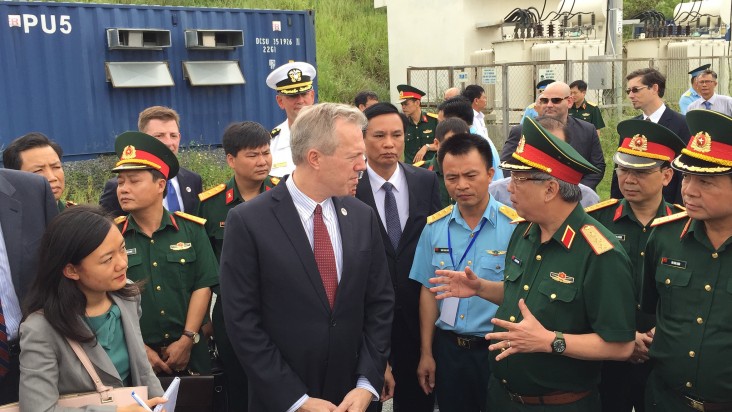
720,103
656,116
479,124
400,190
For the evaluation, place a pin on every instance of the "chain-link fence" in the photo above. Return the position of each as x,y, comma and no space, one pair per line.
510,87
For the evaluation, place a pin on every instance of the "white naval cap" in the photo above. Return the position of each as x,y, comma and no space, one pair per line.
292,78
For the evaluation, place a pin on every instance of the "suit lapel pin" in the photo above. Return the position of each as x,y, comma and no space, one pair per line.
344,212
188,189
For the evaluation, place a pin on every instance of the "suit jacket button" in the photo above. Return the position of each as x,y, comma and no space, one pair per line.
332,323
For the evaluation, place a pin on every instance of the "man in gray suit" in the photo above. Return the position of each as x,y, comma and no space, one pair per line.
26,207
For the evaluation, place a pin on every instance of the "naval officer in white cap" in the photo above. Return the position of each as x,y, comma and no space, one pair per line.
294,85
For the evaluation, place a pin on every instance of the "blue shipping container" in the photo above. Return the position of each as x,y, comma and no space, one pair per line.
54,77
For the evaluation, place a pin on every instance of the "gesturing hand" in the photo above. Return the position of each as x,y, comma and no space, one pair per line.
527,336
455,284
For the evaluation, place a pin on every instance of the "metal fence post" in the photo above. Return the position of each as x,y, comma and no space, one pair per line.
504,98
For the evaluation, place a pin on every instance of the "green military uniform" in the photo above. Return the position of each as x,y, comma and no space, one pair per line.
423,131
589,113
216,203
688,285
577,282
176,261
420,134
63,205
434,165
618,217
645,147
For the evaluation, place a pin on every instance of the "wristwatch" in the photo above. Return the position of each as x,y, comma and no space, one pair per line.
559,345
195,337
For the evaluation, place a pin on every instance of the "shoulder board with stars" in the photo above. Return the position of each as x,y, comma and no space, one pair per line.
195,219
671,218
680,207
601,205
211,192
432,115
69,203
531,106
518,220
274,180
419,164
597,241
120,219
439,215
508,212
687,94
591,103
275,132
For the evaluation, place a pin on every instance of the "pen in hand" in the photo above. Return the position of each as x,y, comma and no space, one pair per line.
140,401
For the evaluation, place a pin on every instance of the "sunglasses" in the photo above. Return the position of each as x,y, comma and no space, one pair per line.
554,100
636,89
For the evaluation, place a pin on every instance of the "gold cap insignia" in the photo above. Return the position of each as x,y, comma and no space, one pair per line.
701,142
639,143
521,143
129,153
295,75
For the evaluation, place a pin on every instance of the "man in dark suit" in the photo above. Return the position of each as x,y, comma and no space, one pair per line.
163,123
582,136
646,88
27,206
416,194
309,302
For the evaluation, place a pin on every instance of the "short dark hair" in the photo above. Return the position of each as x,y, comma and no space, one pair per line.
383,108
11,154
581,85
473,92
710,72
70,237
457,106
462,144
455,125
364,97
650,76
244,135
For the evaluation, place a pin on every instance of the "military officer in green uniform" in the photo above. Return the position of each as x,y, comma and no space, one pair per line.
567,300
582,109
246,145
36,153
687,278
691,95
420,127
642,164
168,251
445,129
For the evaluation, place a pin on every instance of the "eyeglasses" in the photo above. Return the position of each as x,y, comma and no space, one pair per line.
636,89
621,172
516,179
554,100
706,81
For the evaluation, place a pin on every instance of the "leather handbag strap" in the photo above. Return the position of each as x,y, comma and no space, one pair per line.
81,354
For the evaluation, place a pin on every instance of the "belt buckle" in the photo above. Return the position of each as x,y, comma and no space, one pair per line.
516,398
695,404
463,343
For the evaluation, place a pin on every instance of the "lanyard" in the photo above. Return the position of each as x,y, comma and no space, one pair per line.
470,245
